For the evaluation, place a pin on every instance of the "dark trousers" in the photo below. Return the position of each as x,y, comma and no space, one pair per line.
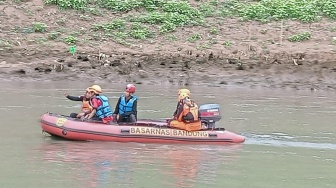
74,115
127,118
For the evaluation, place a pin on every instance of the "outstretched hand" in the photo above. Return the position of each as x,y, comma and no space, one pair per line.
65,93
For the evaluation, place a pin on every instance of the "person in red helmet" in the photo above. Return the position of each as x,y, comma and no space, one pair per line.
126,108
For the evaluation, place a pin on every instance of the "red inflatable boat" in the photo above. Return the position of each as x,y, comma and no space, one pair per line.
141,131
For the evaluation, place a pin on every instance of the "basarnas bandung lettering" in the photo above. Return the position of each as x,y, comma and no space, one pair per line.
167,132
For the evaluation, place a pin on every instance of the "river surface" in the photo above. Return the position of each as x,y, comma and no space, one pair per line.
290,141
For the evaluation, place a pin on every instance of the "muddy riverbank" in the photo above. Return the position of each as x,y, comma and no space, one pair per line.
297,71
34,45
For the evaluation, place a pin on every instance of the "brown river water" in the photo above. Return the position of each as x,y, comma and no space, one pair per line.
290,141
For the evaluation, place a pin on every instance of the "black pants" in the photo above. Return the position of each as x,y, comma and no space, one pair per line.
188,117
95,118
127,118
73,115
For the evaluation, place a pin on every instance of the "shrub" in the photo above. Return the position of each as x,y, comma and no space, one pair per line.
140,32
65,4
70,39
39,27
300,37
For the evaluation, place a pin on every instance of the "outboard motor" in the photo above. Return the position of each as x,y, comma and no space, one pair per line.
210,114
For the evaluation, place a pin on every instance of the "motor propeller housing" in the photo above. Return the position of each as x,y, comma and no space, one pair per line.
210,114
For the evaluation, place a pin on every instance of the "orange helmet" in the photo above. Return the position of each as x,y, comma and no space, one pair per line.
95,88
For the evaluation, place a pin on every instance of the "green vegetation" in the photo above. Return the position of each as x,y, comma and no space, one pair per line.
116,24
53,36
300,37
227,43
303,10
65,4
213,30
39,27
160,11
5,43
194,37
140,32
171,37
40,40
71,39
142,19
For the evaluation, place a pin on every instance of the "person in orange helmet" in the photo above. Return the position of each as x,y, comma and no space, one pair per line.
94,105
100,104
86,107
187,113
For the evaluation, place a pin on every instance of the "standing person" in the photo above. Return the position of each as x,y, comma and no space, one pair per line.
101,109
126,108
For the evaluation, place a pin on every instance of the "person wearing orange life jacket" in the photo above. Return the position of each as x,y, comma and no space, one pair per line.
86,108
126,108
100,104
187,114
180,97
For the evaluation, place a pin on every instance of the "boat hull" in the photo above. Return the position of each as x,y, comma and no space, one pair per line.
144,131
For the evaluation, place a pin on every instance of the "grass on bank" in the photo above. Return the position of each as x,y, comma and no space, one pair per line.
300,37
163,11
143,19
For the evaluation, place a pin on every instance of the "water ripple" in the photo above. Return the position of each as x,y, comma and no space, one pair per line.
283,140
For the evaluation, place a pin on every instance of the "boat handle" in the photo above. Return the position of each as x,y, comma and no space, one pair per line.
212,135
124,130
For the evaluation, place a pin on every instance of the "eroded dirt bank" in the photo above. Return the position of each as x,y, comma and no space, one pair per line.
250,54
298,71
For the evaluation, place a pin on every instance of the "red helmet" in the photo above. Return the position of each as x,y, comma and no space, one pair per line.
130,88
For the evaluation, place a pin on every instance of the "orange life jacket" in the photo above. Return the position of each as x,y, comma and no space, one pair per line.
189,107
86,106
